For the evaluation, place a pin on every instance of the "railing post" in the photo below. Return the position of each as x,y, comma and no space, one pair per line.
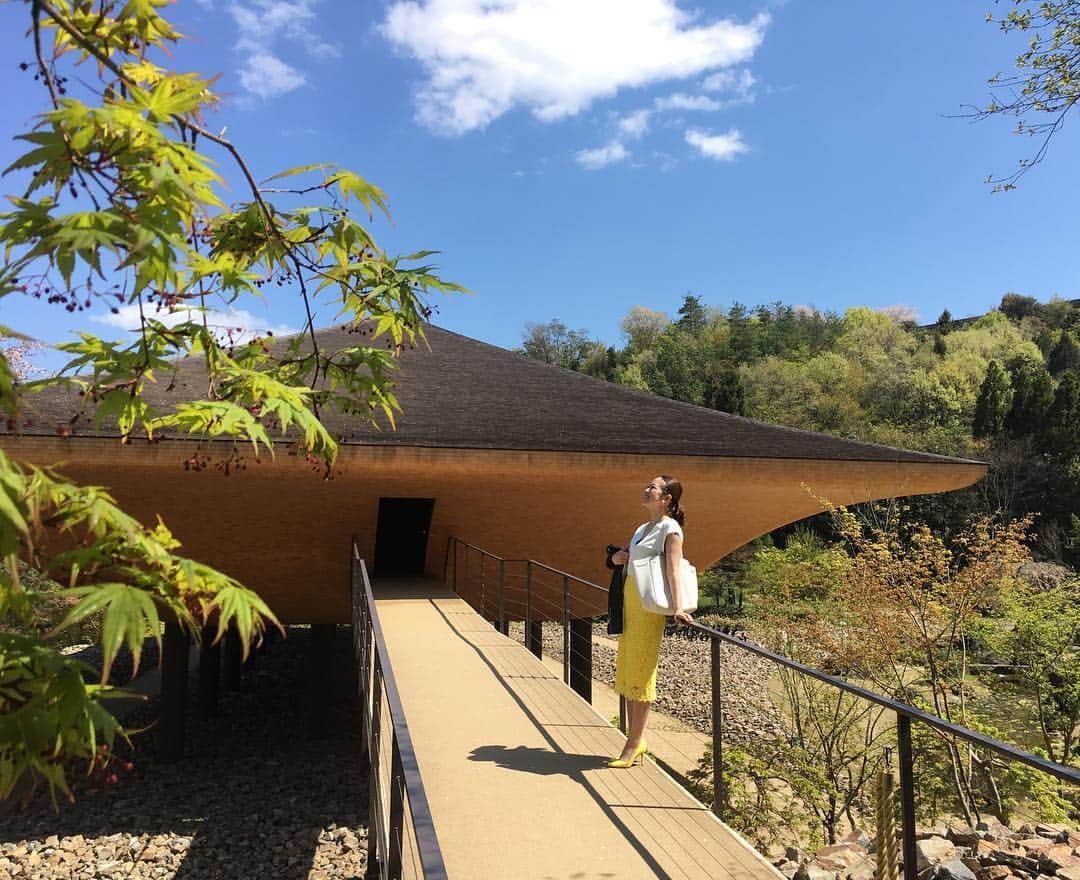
581,657
534,629
465,547
374,853
483,585
396,823
503,626
566,629
907,794
719,795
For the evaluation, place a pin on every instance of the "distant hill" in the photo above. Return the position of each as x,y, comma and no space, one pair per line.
960,322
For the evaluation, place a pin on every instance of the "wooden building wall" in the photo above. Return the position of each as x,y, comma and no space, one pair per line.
284,531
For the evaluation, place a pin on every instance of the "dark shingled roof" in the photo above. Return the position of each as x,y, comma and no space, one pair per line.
467,394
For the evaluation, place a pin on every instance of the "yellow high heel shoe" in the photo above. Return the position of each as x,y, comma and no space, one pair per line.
638,757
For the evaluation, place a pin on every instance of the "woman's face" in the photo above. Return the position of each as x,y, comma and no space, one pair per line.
654,494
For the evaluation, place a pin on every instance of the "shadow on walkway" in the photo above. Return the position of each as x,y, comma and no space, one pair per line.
531,760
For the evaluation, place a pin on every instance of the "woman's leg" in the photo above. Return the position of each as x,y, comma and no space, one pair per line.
638,710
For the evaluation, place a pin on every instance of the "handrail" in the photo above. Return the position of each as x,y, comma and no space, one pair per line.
376,680
905,713
1067,774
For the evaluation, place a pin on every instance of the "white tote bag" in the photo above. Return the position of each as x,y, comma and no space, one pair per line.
649,576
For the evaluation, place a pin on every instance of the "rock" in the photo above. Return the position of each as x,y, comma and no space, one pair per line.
788,868
794,854
814,871
992,828
1044,829
932,850
973,864
993,872
1016,861
840,856
859,838
1035,845
863,871
962,835
1058,856
1071,873
984,850
954,869
1027,829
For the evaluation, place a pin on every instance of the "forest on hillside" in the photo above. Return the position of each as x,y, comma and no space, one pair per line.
1002,388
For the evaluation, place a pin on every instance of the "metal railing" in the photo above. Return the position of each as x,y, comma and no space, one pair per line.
401,835
532,592
580,652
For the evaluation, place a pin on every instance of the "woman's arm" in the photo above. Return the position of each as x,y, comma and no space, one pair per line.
673,562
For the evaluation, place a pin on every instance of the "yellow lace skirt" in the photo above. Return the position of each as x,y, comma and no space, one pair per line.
639,647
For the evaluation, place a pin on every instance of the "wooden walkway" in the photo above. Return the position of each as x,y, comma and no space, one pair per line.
513,762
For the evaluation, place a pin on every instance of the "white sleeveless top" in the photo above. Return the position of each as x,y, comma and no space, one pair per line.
649,539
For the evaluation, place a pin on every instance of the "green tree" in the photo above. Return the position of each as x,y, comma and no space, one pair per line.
555,343
724,391
692,315
119,205
1044,87
673,371
641,327
1062,436
992,406
1032,394
1036,629
1065,355
944,323
1016,306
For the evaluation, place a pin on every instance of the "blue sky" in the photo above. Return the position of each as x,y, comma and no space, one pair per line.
574,159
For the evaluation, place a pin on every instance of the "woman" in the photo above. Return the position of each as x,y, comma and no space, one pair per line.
639,644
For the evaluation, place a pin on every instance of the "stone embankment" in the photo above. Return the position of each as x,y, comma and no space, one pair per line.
254,796
990,851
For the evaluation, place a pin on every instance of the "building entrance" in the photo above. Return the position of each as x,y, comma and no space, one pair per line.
401,536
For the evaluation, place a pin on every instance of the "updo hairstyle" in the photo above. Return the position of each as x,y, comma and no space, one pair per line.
673,489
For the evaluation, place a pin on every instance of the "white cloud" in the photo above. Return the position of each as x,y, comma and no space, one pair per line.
636,124
601,156
680,101
483,58
267,76
737,81
263,24
717,146
243,325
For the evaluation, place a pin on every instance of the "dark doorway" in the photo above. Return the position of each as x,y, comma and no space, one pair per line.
401,536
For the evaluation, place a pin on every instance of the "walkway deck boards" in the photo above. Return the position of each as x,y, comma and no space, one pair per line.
513,762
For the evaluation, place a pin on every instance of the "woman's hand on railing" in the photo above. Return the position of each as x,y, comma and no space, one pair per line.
683,617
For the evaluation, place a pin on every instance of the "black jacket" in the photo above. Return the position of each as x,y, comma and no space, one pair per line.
615,598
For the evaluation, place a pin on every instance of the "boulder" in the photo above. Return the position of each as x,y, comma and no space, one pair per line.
1060,855
993,872
962,835
1035,845
954,869
789,869
814,871
1069,873
933,850
992,828
859,838
1016,861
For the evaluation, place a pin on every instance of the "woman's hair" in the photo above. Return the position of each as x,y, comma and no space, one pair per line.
673,489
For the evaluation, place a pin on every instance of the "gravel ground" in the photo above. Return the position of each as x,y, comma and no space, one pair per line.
255,796
684,680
